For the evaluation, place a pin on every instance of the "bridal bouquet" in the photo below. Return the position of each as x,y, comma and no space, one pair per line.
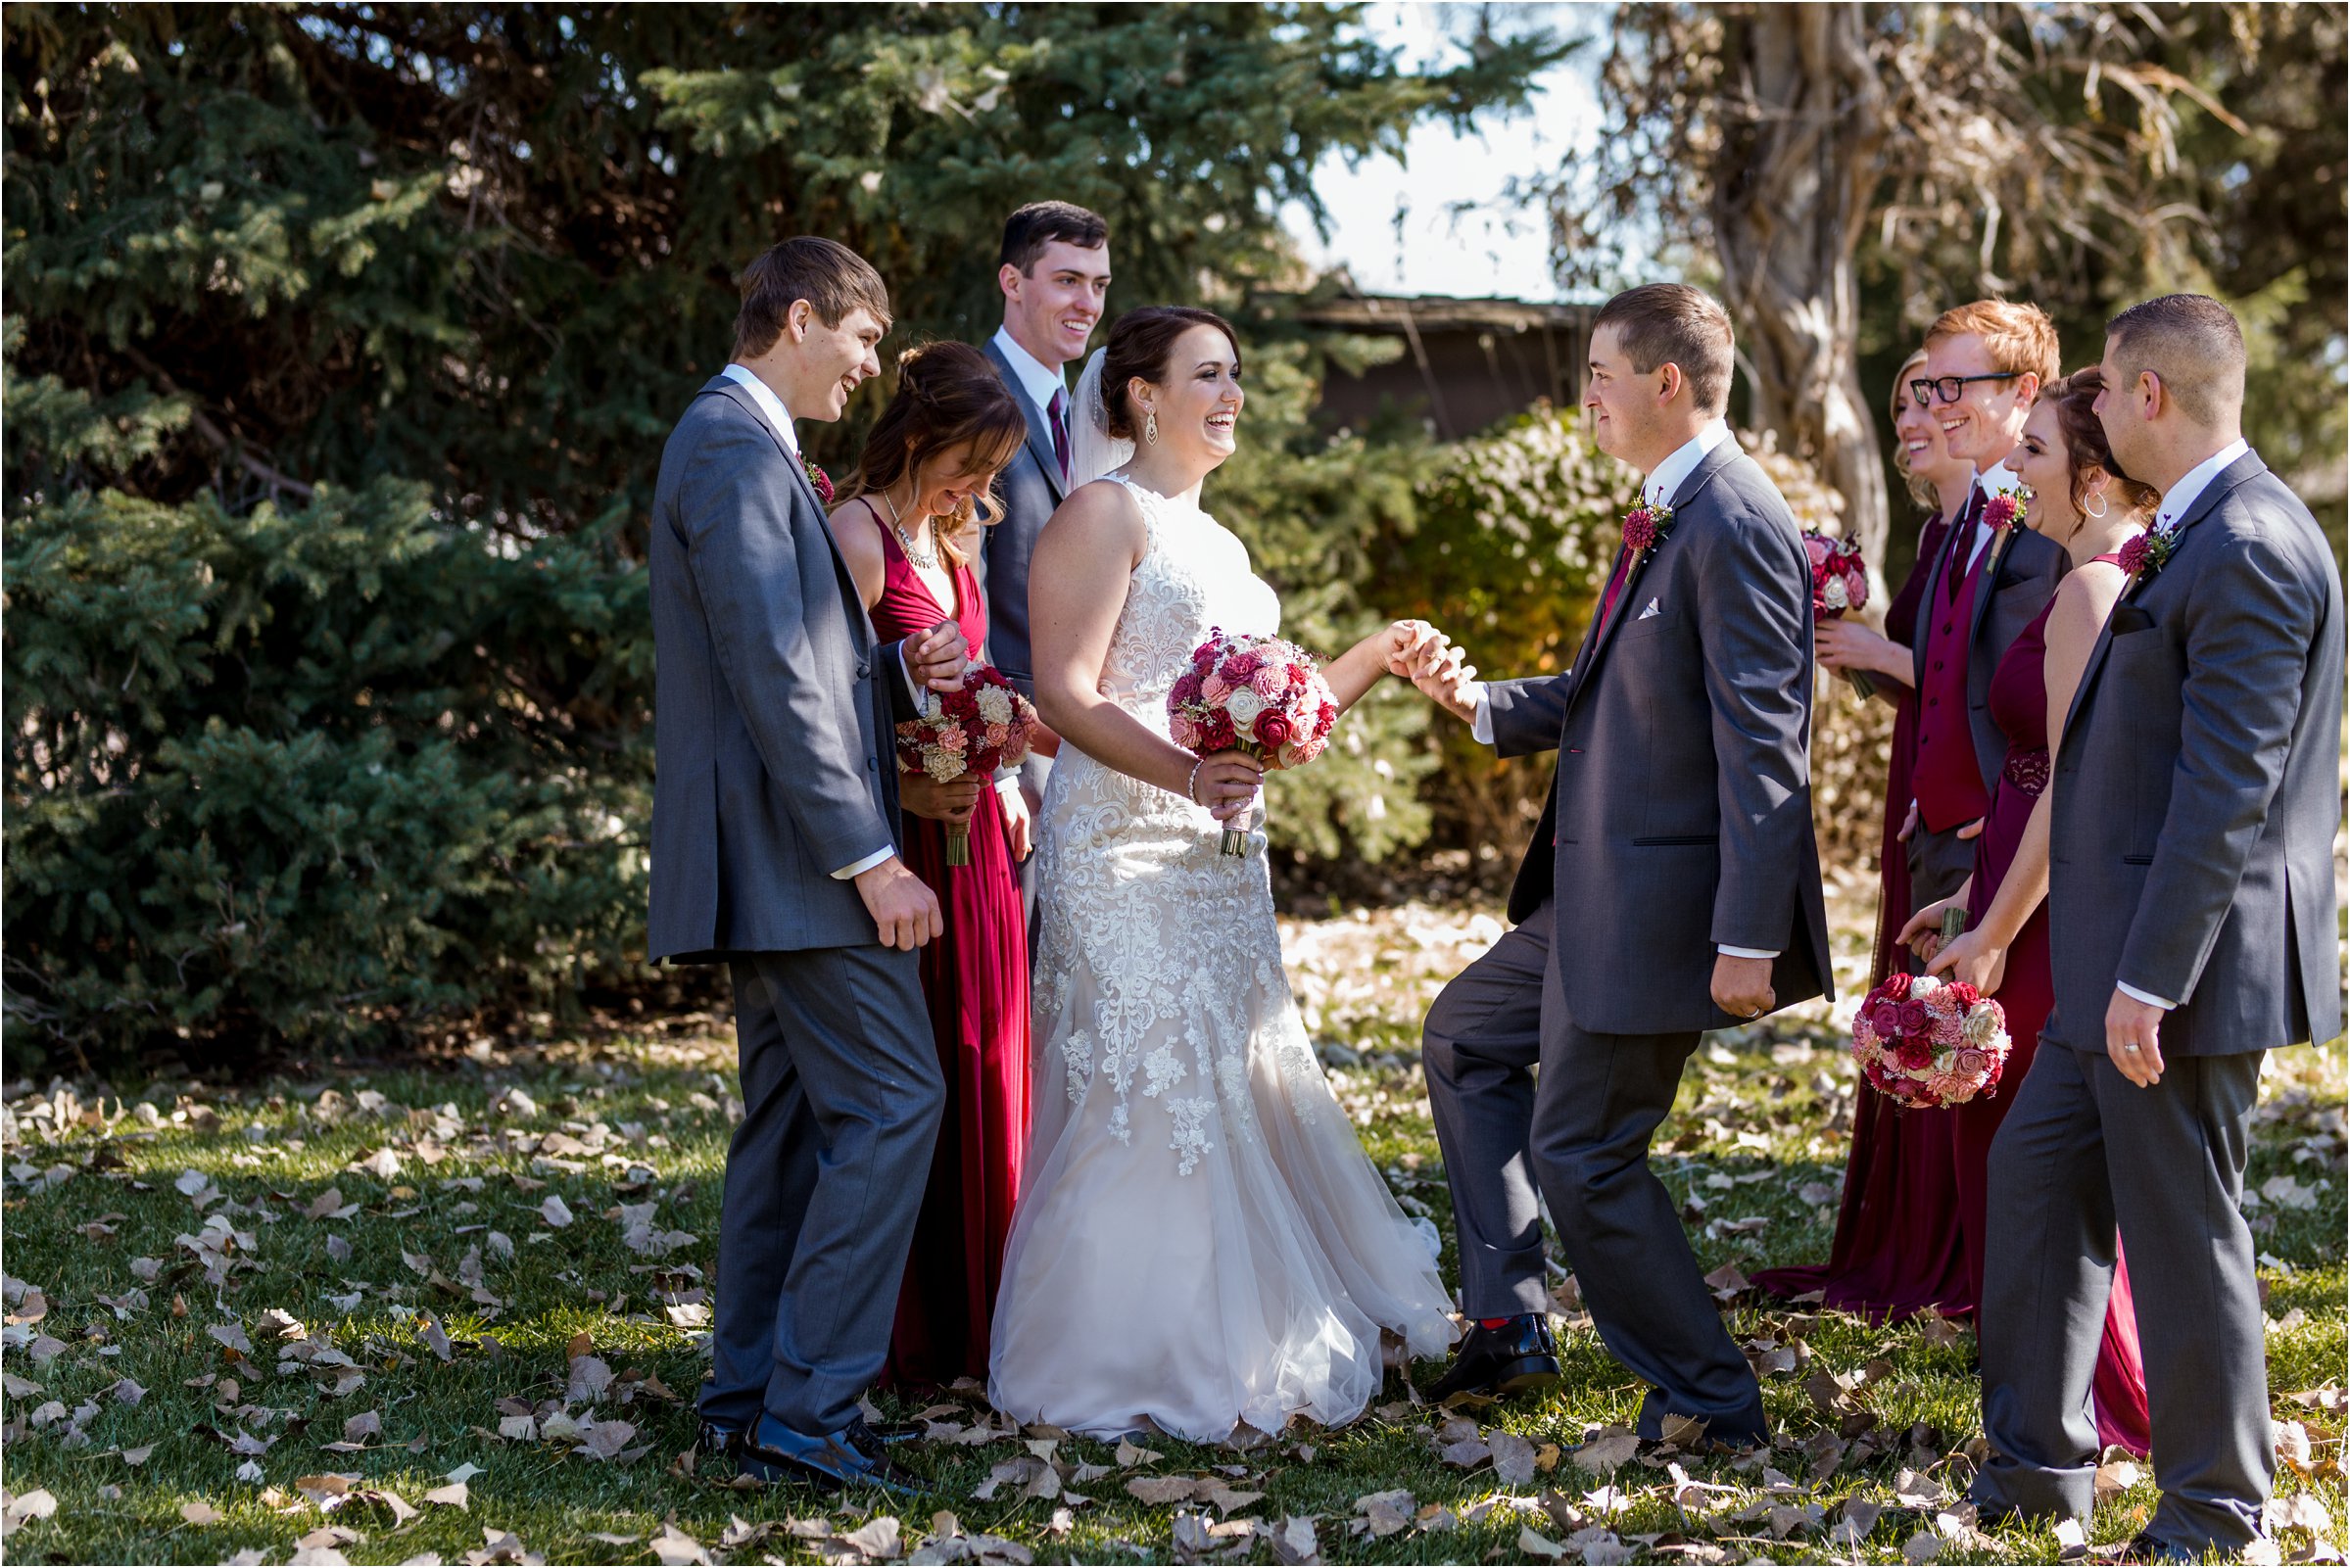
1840,582
977,728
1929,1042
1256,695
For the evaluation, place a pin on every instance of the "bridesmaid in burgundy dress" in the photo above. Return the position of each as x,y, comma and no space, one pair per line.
2079,501
1884,1262
908,523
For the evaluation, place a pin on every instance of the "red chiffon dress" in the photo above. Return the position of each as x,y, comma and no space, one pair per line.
2019,706
1894,1253
976,979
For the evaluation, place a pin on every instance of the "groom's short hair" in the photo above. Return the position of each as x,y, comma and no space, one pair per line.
1030,229
833,279
1672,323
2193,344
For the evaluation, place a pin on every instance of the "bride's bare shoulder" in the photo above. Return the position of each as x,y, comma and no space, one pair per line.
1097,516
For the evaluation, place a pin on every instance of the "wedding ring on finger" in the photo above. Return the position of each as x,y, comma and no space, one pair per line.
2130,1045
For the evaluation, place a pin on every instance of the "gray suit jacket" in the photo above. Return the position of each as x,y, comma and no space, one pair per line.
1030,489
1682,805
2021,577
774,709
2192,850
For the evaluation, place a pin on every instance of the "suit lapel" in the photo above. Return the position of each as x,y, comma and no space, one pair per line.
1603,632
1987,585
2243,469
728,388
1041,435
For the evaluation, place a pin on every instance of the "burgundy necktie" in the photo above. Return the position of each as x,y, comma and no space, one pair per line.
1058,413
1963,544
1615,586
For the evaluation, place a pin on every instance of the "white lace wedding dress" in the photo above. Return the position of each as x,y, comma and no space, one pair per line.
1202,1244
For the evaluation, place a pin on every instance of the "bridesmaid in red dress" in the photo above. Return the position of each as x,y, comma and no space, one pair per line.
908,523
2079,501
1884,1262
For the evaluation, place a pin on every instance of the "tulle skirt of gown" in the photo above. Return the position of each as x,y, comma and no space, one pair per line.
1201,1243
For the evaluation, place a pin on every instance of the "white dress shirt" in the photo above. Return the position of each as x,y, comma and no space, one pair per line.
1658,490
2175,502
1989,482
781,418
1037,379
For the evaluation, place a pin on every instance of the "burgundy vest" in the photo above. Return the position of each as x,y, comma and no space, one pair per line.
1949,780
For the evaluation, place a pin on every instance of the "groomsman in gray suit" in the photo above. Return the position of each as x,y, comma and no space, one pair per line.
1055,278
2192,928
1673,886
775,850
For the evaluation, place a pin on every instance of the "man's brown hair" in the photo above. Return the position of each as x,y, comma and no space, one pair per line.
2018,337
1660,323
1030,229
2193,346
833,279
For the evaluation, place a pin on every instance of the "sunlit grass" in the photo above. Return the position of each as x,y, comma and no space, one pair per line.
647,1121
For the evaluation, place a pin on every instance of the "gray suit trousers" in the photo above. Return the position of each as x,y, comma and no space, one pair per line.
841,1094
2081,1152
1581,1130
1940,862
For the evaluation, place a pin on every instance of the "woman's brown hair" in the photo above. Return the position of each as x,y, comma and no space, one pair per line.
947,395
1138,346
2084,447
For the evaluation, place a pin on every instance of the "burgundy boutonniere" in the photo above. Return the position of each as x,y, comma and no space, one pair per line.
1646,526
2146,555
818,478
2003,510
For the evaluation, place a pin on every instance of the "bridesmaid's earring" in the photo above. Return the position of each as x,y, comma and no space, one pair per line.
1150,426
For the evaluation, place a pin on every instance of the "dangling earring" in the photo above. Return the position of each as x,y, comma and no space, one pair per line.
1150,426
2097,495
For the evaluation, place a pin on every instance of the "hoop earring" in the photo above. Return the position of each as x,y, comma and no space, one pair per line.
2098,497
1150,426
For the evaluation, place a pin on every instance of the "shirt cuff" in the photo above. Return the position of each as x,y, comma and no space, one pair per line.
914,688
860,868
1745,952
2147,997
1480,728
1007,783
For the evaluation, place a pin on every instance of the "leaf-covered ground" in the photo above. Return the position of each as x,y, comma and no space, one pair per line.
452,1314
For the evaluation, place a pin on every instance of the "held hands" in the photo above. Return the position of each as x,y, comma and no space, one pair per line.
2131,1028
1430,661
902,906
937,657
1742,986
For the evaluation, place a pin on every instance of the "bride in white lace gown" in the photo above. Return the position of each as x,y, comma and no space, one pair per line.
1202,1246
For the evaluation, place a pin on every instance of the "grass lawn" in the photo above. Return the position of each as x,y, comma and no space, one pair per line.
451,1314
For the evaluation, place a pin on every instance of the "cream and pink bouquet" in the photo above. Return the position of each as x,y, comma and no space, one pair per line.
1255,694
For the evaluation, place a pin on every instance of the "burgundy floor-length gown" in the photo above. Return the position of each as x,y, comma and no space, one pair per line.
1890,1257
976,979
2019,706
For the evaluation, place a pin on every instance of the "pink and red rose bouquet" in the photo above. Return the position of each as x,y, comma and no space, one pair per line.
1840,582
978,729
1256,695
1928,1042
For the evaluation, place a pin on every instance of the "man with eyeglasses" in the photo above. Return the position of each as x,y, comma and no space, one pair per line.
1984,365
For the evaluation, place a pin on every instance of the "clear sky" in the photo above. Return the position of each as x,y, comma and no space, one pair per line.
1433,224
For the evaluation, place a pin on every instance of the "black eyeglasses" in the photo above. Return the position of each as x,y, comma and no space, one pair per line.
1948,388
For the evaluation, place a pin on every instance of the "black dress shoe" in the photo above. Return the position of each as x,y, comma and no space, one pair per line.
1518,1358
850,1457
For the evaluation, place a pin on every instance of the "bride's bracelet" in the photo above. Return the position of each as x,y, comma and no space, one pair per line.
1191,784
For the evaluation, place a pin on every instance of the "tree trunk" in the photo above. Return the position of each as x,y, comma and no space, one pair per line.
1804,135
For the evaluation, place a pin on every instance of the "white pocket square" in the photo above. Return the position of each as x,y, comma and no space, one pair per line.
1651,611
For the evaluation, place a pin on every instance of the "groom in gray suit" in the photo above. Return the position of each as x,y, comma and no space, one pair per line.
1054,272
2191,923
775,850
1673,886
